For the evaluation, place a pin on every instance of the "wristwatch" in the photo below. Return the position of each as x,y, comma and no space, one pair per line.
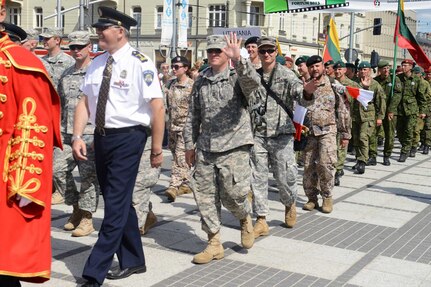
75,138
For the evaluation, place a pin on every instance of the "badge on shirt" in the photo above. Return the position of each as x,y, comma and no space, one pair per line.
123,74
148,77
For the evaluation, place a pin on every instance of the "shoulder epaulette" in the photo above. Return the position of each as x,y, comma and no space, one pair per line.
140,56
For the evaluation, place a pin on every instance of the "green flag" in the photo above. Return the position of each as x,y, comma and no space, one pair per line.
274,6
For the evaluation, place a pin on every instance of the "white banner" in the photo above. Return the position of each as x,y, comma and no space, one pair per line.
183,20
167,23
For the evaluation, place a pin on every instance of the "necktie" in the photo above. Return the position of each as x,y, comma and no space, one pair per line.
104,94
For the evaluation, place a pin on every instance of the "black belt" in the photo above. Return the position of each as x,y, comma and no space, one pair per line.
111,131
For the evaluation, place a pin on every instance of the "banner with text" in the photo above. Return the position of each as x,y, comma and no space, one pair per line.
167,23
183,16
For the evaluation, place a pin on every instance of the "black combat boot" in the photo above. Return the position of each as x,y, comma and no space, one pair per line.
380,141
421,148
360,169
426,149
337,179
413,152
403,157
372,161
386,161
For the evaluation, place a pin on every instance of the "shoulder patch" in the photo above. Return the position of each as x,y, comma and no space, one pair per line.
140,56
148,77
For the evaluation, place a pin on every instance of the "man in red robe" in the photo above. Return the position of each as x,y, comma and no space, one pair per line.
29,127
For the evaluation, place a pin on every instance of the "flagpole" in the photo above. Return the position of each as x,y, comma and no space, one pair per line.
394,65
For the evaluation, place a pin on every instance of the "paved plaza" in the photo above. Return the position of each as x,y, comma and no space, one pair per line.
379,234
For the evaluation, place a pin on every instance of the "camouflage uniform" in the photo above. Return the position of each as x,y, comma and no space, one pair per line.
273,132
64,163
426,132
147,177
218,126
178,96
412,103
420,124
364,122
56,65
391,107
320,154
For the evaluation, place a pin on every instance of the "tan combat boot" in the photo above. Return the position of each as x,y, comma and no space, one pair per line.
311,204
74,219
85,227
327,205
171,193
213,251
149,222
290,215
261,228
184,189
247,234
57,198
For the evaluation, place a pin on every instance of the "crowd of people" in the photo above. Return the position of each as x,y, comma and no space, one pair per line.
228,122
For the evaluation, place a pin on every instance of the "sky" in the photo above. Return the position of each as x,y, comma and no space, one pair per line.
424,20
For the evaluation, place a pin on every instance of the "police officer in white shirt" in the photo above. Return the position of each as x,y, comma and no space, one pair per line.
121,96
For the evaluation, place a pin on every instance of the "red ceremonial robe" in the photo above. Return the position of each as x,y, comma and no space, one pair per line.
29,126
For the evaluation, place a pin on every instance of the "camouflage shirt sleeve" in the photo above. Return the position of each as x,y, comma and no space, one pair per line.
395,100
248,78
343,114
421,97
380,101
192,126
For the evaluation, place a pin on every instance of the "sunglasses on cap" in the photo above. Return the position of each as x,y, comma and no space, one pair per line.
264,51
77,47
213,51
176,67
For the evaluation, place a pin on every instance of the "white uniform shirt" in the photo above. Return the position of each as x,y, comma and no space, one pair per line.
134,82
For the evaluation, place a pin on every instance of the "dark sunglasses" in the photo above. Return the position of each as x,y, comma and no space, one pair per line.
176,67
264,51
213,51
77,47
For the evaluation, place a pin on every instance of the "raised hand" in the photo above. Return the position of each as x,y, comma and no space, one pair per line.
233,47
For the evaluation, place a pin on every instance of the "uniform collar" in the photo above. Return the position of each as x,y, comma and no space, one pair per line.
121,52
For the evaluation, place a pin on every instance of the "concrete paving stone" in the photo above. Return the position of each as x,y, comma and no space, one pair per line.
320,283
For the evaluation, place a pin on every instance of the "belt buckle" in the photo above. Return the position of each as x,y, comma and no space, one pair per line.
101,131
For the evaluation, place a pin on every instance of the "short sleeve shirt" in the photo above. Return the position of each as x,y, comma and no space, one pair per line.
134,82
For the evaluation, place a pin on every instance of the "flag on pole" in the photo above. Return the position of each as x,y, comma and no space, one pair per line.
298,120
279,52
361,95
406,40
331,51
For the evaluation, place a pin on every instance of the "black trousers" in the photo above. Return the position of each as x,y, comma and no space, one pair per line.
117,161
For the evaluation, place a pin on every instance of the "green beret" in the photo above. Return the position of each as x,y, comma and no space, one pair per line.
339,64
351,66
364,64
281,60
417,70
382,63
328,63
300,60
313,60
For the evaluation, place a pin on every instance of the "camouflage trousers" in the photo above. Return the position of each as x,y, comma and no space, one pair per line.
341,154
426,132
389,127
88,196
319,165
180,172
372,142
147,178
279,152
405,128
221,178
363,132
420,123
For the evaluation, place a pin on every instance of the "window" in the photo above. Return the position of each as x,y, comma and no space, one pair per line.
254,16
159,16
282,21
38,17
190,17
136,14
63,18
217,16
315,26
15,16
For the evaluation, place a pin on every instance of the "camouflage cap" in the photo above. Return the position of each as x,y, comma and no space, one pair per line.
266,41
216,42
79,38
52,32
32,34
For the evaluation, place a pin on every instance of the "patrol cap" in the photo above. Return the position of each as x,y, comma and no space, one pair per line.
364,64
281,60
52,32
79,38
313,60
111,17
417,70
180,59
288,59
301,59
339,64
32,34
251,40
216,42
329,63
16,33
408,61
383,63
266,41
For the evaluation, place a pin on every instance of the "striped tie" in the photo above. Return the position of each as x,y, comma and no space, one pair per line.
104,94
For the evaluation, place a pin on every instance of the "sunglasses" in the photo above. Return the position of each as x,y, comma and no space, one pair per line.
213,51
176,67
77,47
264,51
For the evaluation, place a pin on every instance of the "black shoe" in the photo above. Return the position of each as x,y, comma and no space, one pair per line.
426,149
380,141
372,161
340,172
91,283
421,148
355,166
403,157
386,161
413,152
336,180
118,273
361,167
